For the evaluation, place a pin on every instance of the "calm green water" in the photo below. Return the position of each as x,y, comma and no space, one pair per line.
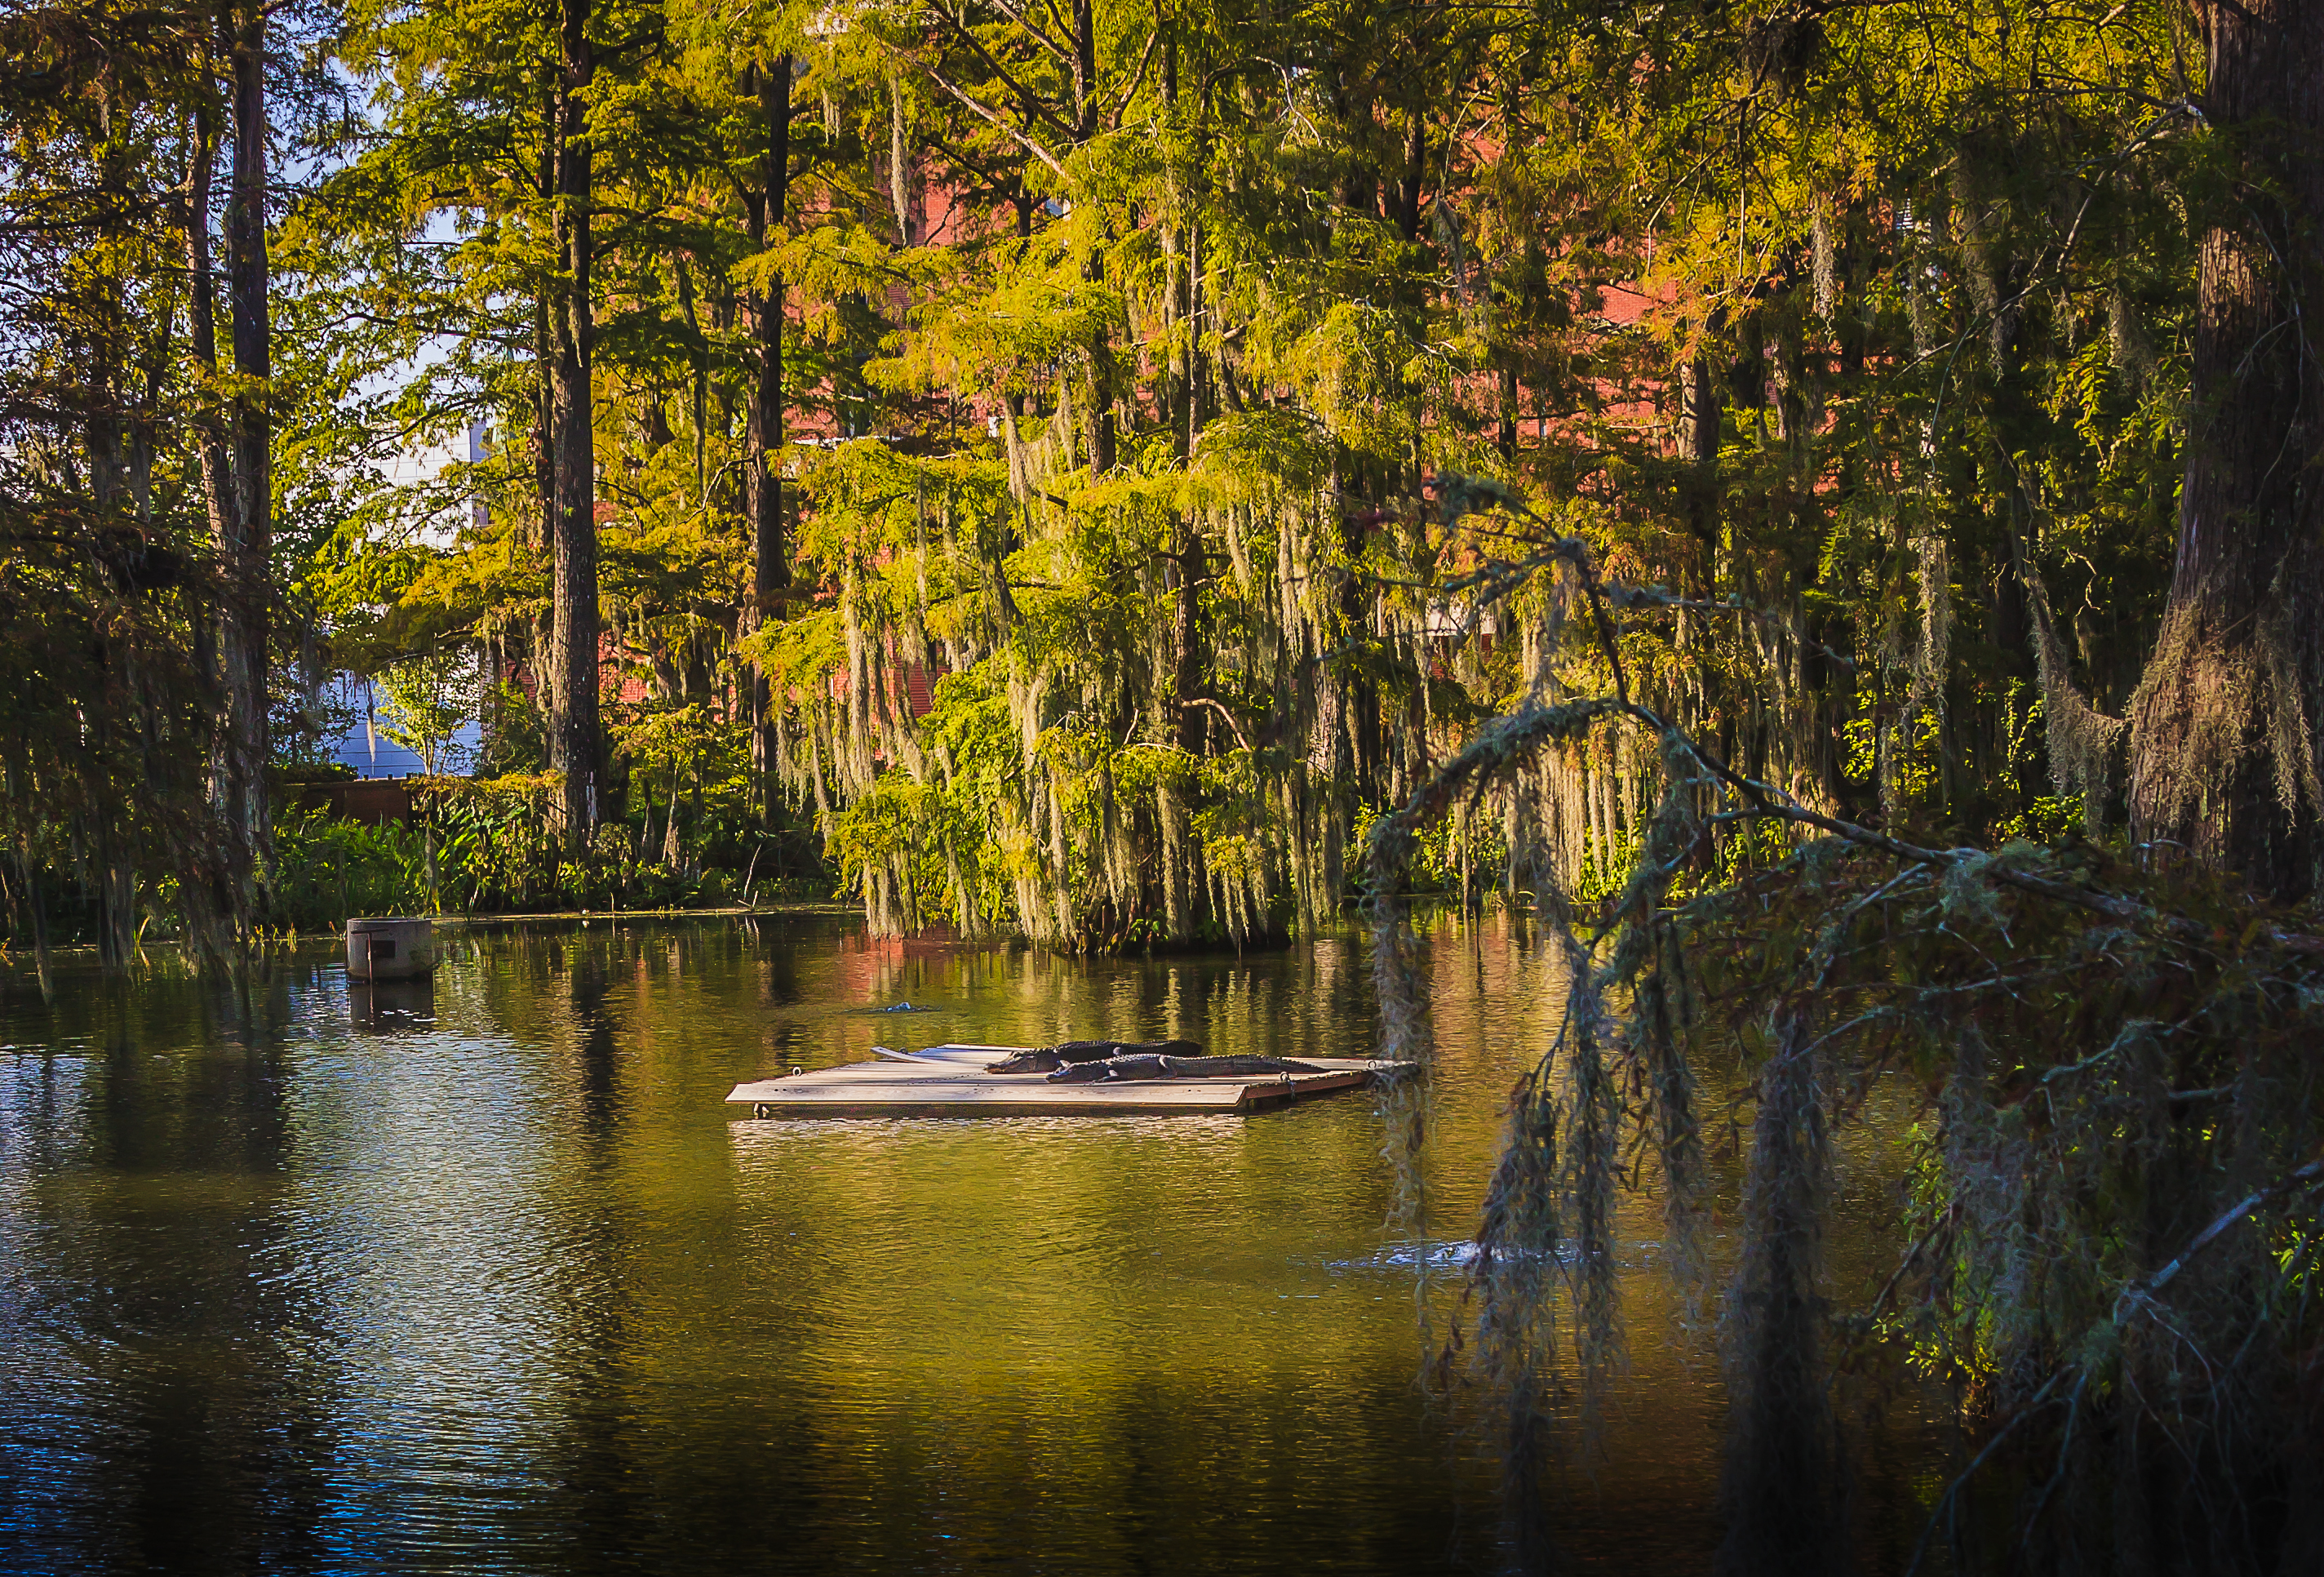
483,1276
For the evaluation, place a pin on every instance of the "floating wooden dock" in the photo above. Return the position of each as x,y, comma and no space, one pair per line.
952,1082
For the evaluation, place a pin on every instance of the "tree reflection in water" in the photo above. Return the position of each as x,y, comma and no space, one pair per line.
493,1278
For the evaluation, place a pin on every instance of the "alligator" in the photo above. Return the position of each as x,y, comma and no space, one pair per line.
1074,1053
1123,1069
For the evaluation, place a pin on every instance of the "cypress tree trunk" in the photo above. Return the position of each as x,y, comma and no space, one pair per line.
763,424
247,545
2223,726
1416,165
900,163
1099,418
542,532
1504,427
201,282
1175,398
205,896
544,357
1187,559
1085,72
572,724
1699,424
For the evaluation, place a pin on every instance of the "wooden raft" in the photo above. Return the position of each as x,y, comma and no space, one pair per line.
951,1081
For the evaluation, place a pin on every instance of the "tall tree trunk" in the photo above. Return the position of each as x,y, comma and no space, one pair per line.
1176,399
1098,420
541,533
247,545
900,163
763,436
1085,93
1699,415
1416,165
1697,440
573,723
1186,633
1505,435
544,362
2223,726
207,884
209,437
698,381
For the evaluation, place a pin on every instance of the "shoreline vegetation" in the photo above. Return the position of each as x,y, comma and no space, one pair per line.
482,922
1822,497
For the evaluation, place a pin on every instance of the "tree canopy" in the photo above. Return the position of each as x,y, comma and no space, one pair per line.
1040,440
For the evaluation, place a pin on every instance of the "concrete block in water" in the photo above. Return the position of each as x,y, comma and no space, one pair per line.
390,948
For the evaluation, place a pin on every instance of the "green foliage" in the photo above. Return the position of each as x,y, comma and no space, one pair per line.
486,847
331,869
424,703
1160,403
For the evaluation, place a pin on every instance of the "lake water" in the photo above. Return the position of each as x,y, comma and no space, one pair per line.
483,1276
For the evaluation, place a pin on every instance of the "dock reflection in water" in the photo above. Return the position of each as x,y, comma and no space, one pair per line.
496,1281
